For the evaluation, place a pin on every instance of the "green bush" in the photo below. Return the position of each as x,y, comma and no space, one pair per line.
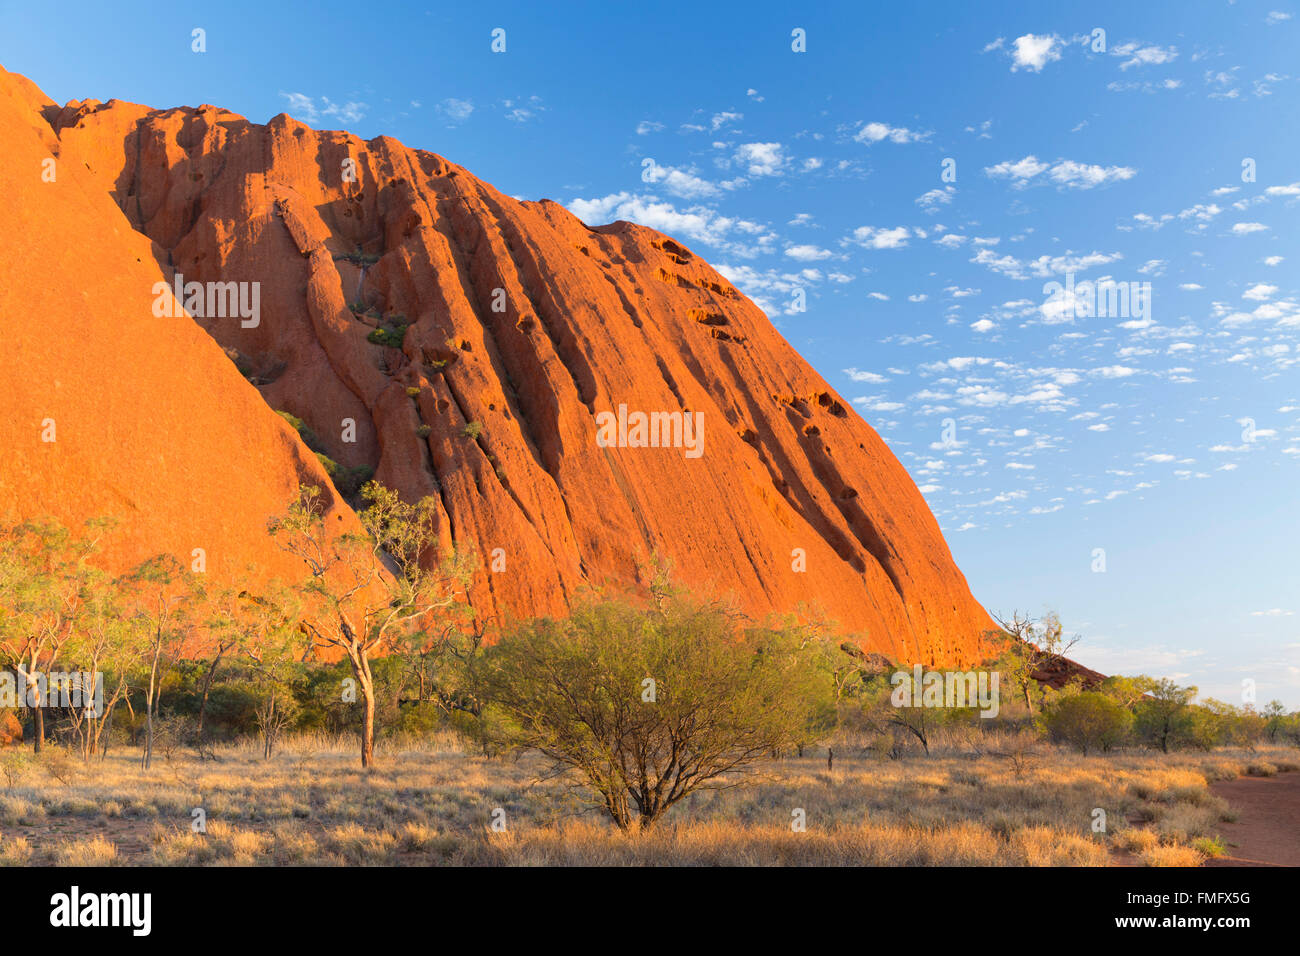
472,430
358,258
1089,721
649,705
390,337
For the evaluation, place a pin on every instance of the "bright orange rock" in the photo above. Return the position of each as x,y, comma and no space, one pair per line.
11,729
109,410
519,331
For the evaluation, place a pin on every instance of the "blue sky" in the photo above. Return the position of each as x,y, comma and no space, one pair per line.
1038,431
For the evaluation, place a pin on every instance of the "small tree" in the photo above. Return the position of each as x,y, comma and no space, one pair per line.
1089,721
1275,719
43,573
101,646
265,628
651,705
1036,647
160,593
892,709
1162,715
363,590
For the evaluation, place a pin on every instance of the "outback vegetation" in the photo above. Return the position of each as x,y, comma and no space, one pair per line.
693,731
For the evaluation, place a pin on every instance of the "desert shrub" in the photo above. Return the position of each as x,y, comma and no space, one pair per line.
390,337
650,705
14,764
358,258
424,431
1170,855
1088,721
1210,846
472,430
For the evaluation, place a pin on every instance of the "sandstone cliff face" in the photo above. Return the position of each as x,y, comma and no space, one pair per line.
464,345
107,409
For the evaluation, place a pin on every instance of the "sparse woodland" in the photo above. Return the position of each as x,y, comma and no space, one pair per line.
670,720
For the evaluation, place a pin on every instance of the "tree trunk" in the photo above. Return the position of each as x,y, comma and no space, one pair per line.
38,728
207,686
32,698
147,762
368,726
359,658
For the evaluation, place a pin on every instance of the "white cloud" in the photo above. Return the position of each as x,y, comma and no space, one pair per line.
454,110
723,119
808,253
872,237
932,200
522,110
761,159
876,132
1035,52
1064,172
697,223
1044,267
1245,228
1138,55
312,112
1259,292
680,182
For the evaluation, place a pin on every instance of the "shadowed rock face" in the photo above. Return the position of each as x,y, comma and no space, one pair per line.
522,326
108,410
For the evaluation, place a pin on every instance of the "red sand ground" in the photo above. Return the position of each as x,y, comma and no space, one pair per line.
1267,831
